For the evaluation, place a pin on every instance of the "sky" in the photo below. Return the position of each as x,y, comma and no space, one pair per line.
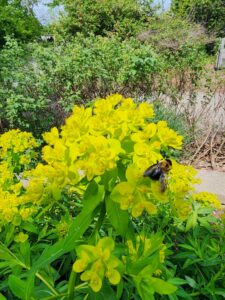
166,3
46,15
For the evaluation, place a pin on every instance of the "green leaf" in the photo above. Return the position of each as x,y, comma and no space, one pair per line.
11,258
173,297
21,288
162,287
109,178
186,246
144,289
30,227
56,192
117,217
190,262
151,266
119,290
29,287
211,262
127,145
9,233
25,252
17,286
191,281
106,293
177,281
220,292
192,221
93,196
2,297
182,294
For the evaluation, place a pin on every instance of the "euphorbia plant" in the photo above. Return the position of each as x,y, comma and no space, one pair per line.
85,202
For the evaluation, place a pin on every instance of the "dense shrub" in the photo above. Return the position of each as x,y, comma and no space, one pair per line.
76,228
40,84
167,32
125,17
210,13
17,21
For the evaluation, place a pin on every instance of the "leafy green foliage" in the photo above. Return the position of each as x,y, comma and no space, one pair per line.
199,258
105,17
167,32
210,13
17,21
196,258
41,84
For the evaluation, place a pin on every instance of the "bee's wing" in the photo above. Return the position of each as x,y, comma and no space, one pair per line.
163,182
150,170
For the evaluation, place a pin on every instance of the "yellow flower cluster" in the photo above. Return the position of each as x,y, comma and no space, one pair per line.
93,139
96,139
97,262
6,175
141,247
21,237
181,182
16,141
138,194
207,199
133,194
11,209
144,247
15,150
182,178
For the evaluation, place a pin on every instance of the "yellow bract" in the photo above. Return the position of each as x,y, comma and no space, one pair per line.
21,237
16,141
207,199
168,137
96,262
16,153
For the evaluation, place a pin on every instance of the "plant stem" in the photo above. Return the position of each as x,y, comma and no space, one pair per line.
43,211
100,221
101,218
71,284
56,296
38,275
195,294
46,283
217,275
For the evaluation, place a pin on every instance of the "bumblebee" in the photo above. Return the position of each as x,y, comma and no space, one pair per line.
159,172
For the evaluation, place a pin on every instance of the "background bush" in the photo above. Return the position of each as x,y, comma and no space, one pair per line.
125,17
40,84
210,13
17,20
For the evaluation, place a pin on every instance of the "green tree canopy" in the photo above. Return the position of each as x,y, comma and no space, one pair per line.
17,19
210,13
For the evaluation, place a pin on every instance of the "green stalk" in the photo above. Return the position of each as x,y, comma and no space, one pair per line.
44,210
195,294
56,296
100,221
101,218
217,275
71,285
51,288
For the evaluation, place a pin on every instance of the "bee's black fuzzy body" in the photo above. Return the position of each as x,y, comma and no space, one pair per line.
159,172
154,172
